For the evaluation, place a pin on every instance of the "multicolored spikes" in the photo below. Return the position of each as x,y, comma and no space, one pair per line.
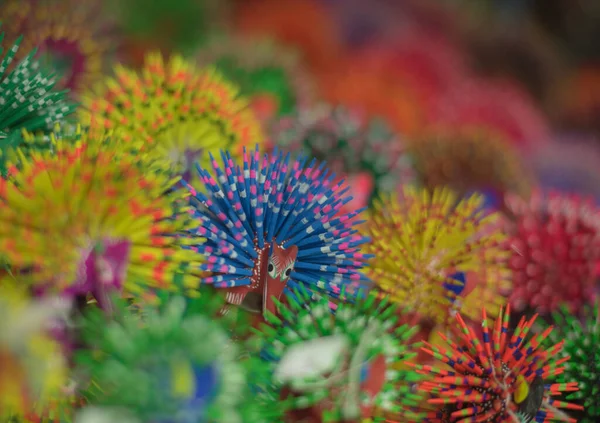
272,224
483,376
344,366
173,111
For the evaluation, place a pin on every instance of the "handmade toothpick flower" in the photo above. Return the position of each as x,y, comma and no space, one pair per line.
341,366
269,74
174,111
468,159
435,254
28,99
555,246
32,367
582,344
86,219
168,365
271,224
71,37
351,145
495,376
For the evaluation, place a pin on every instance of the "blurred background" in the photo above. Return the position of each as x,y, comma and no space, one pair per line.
525,73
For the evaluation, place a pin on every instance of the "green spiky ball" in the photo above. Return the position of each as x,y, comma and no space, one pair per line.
309,318
134,357
28,100
582,344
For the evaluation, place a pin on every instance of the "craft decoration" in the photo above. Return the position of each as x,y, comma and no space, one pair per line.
28,99
270,74
32,367
167,365
173,111
468,159
71,37
555,246
495,376
349,143
582,338
272,224
436,254
341,366
110,227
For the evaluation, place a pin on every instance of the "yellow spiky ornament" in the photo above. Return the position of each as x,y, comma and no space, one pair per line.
32,366
436,254
174,111
84,216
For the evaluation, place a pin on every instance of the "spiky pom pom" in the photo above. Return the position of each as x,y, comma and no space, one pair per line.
269,74
349,143
28,99
170,365
270,224
32,367
342,365
86,219
582,345
174,111
468,159
555,243
422,241
496,377
69,39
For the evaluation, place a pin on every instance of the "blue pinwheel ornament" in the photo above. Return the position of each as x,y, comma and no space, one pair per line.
274,224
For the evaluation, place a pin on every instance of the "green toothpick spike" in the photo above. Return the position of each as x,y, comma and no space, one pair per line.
582,343
366,332
28,101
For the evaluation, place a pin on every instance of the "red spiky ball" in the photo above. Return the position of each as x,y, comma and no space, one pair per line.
555,243
495,376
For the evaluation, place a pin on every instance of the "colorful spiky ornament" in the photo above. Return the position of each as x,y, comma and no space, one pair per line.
349,143
429,249
268,73
555,245
273,223
343,366
70,39
497,377
28,99
32,367
468,159
582,345
166,365
173,111
108,224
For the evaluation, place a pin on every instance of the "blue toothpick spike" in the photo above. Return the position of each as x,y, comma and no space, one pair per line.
276,199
